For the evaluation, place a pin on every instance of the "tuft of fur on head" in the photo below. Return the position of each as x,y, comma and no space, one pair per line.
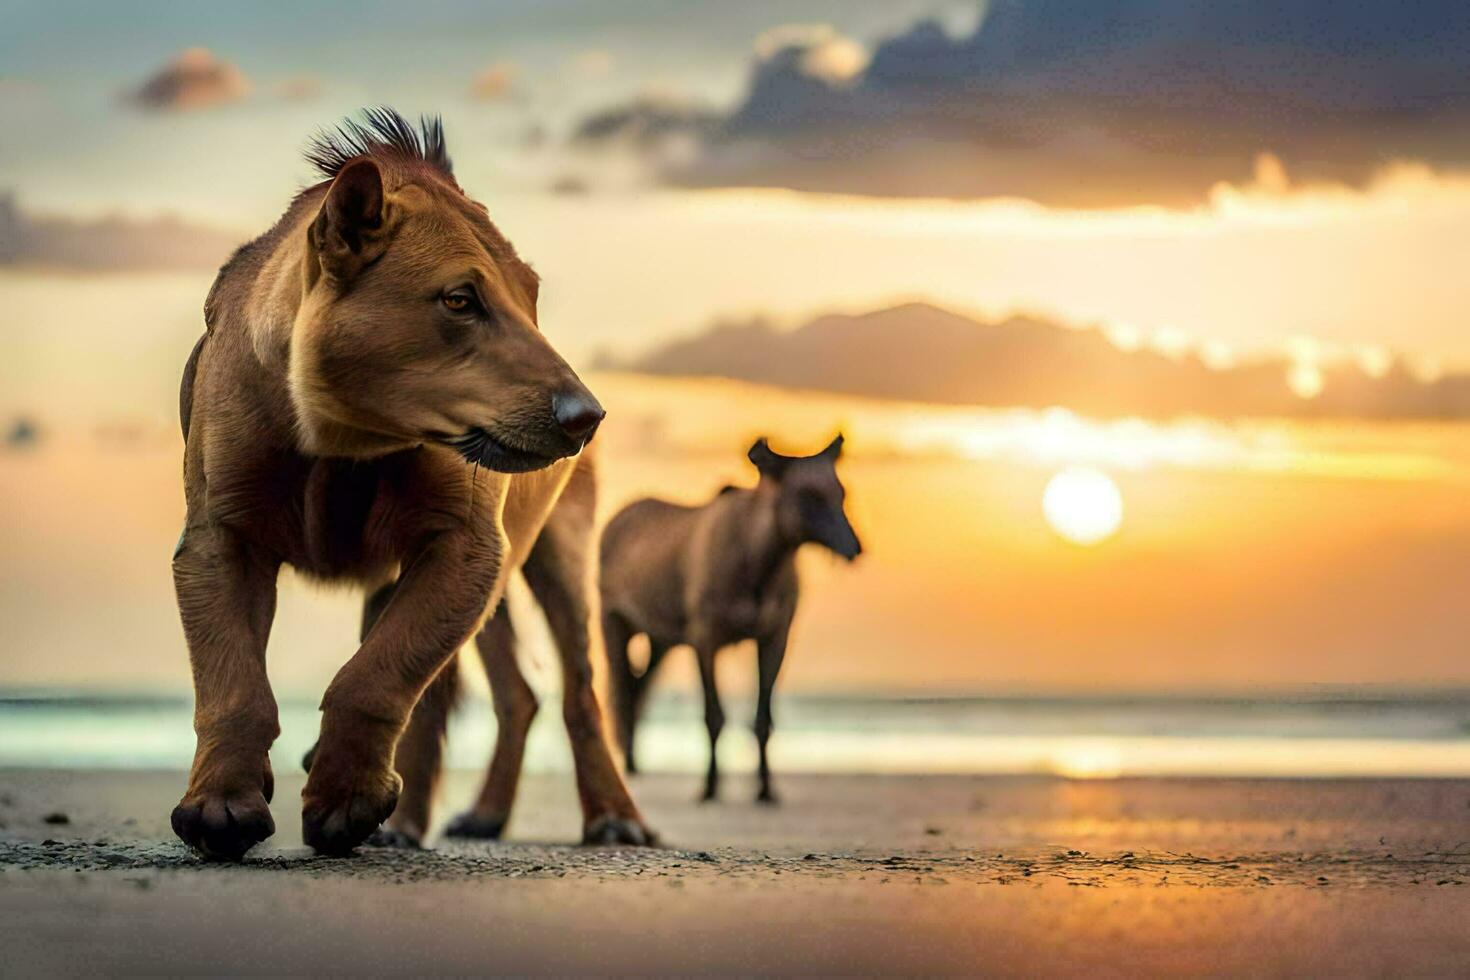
383,133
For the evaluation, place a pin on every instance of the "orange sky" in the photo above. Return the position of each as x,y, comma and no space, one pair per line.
1274,556
1247,555
1317,272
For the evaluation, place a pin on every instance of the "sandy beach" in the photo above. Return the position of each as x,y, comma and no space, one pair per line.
1006,875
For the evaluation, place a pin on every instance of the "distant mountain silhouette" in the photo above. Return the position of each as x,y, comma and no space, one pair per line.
108,243
923,353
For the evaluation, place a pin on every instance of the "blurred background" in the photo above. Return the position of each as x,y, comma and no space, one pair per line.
1144,319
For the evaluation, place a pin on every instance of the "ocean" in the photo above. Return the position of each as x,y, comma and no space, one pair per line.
1311,735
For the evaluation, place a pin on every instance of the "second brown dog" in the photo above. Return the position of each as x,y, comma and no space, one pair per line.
715,575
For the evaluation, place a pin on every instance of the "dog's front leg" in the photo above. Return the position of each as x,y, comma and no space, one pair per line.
227,599
441,599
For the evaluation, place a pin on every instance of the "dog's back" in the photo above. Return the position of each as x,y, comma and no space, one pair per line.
643,561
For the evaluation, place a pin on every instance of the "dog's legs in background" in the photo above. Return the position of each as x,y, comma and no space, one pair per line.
622,683
557,570
771,651
638,696
714,716
515,708
419,759
629,690
372,608
227,600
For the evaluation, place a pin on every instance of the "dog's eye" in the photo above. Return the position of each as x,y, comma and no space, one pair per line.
459,301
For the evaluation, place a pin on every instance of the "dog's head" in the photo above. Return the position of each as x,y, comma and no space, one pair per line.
809,497
419,320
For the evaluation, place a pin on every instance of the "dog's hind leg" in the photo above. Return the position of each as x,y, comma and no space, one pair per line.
372,608
714,717
638,696
622,683
771,652
515,708
419,758
557,572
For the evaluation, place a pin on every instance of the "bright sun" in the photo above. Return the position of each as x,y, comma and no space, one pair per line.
1083,505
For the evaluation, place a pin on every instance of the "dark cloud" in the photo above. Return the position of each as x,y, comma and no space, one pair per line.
23,434
1097,102
920,352
196,79
647,122
107,244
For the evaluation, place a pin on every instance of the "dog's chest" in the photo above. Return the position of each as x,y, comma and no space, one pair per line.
327,518
748,616
750,600
338,505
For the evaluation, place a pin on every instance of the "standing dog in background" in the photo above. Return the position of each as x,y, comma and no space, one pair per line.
714,575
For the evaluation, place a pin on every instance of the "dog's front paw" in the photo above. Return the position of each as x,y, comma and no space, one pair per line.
476,826
614,829
340,810
223,827
394,839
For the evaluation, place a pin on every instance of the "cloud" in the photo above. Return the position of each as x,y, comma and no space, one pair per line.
1113,102
299,88
594,63
919,352
196,79
495,83
651,121
817,51
107,244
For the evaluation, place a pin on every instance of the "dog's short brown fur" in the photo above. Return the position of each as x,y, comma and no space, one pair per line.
714,575
359,358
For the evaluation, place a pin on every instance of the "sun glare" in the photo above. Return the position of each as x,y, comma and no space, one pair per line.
1305,381
1088,759
1083,505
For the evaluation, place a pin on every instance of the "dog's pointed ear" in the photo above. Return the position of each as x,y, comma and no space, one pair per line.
349,230
834,449
769,462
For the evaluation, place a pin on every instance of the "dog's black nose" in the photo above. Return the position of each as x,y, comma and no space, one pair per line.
578,413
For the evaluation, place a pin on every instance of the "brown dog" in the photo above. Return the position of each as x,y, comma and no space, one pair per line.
714,575
373,402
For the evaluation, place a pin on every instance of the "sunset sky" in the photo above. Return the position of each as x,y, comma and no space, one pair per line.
1230,180
1248,243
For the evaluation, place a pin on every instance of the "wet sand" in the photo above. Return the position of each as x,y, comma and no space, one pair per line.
1010,875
